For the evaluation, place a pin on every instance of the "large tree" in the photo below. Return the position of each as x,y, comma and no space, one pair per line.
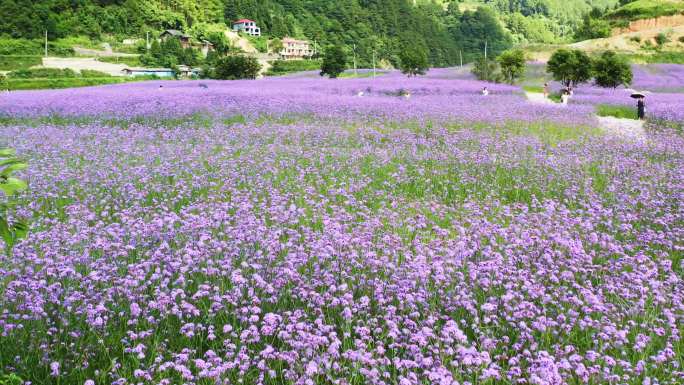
612,70
480,29
512,63
570,67
414,61
334,62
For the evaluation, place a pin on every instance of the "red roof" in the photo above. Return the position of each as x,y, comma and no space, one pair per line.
243,21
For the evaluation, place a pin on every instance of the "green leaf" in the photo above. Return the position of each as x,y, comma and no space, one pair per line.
20,230
13,168
12,186
6,233
7,152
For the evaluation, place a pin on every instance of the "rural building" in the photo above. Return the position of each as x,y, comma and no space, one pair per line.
296,49
183,71
247,26
206,47
160,72
176,34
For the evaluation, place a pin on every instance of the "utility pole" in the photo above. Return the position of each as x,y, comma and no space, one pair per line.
486,64
373,63
46,42
147,40
460,54
355,73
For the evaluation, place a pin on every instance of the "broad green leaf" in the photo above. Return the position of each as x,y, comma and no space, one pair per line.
13,168
6,233
12,186
5,152
20,230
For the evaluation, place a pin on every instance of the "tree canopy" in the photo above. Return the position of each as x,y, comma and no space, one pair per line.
612,70
570,67
334,62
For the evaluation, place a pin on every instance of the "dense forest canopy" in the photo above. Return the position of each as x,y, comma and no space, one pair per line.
383,27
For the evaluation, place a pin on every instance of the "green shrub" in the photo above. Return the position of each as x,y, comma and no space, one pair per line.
281,67
623,112
94,74
36,84
42,73
236,67
15,62
131,61
636,39
26,47
681,39
661,39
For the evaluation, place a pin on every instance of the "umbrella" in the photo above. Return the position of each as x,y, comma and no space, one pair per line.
637,95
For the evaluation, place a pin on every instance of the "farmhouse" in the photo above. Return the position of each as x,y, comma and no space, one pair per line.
176,34
247,26
296,49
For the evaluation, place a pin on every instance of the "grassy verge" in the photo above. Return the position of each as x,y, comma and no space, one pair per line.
283,67
669,57
129,61
623,112
15,62
368,74
37,84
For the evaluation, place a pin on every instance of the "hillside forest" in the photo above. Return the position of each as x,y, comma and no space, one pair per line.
449,30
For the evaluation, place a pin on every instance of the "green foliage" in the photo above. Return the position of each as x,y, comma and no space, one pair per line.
622,112
681,39
15,62
169,54
131,61
570,67
39,84
94,74
10,379
281,67
487,70
611,70
594,26
236,67
11,230
414,61
646,9
42,73
512,63
661,39
334,62
26,47
479,28
4,85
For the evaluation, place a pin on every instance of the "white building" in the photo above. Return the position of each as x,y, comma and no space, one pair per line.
296,49
247,26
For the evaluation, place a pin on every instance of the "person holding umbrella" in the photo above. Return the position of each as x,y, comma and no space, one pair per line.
641,104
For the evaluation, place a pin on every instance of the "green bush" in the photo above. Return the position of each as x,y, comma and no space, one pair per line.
636,39
42,73
622,112
26,47
36,84
236,67
131,61
94,74
281,67
661,39
681,39
15,62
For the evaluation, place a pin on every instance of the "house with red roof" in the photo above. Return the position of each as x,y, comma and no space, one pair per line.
247,26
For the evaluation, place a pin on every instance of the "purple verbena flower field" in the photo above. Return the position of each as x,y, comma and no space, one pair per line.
290,231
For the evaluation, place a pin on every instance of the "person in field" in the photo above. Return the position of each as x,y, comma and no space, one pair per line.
546,90
565,96
641,108
485,91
